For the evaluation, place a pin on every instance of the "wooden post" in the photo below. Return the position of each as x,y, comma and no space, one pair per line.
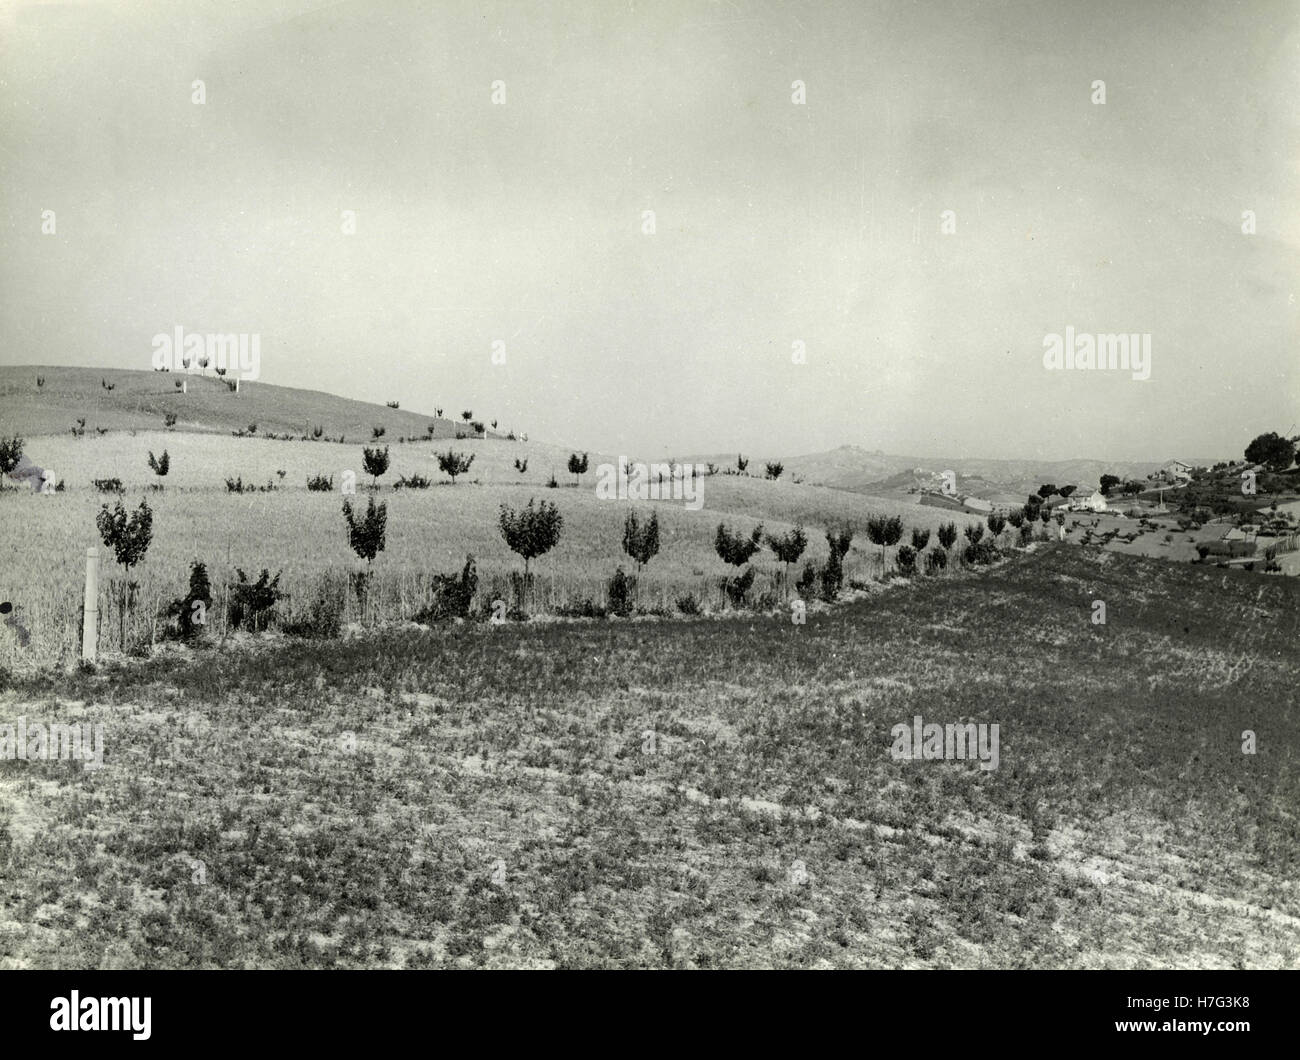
236,384
185,386
90,609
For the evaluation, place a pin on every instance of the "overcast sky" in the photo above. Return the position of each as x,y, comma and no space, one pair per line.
774,222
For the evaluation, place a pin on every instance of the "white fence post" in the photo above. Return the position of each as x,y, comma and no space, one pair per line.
90,610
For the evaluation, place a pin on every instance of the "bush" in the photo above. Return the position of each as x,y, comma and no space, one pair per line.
413,482
936,561
252,604
375,462
320,484
323,620
736,588
189,615
974,531
906,559
108,485
948,535
980,553
622,591
453,595
920,538
688,605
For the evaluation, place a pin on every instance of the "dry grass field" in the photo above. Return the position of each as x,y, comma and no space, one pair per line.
303,535
690,793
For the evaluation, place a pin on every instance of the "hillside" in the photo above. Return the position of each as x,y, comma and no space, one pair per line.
141,400
851,467
693,794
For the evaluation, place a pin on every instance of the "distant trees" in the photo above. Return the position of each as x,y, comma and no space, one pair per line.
1046,490
375,462
577,466
453,463
391,404
531,531
1131,488
1272,450
1108,483
774,469
641,539
1067,491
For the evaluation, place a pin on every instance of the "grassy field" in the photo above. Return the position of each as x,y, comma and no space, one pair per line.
690,793
303,534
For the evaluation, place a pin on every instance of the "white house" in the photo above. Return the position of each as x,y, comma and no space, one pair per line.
1093,502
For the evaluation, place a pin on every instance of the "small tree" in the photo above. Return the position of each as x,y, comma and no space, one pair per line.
453,463
1108,483
577,467
367,535
997,523
920,538
531,531
837,544
521,465
948,535
1067,491
974,531
735,548
1046,490
788,547
467,415
906,560
884,531
377,432
742,462
129,538
1272,450
191,612
375,461
641,540
161,465
774,469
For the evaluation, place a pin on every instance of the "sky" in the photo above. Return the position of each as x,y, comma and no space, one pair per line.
775,222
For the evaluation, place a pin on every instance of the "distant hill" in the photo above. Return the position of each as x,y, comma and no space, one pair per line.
141,400
880,474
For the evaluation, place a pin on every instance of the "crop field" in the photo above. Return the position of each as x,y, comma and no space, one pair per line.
302,534
690,793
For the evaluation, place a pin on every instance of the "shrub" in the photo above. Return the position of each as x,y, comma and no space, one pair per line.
742,462
806,586
252,604
935,561
980,553
996,524
11,451
974,531
948,535
737,587
108,485
320,483
169,419
622,590
189,614
322,621
773,469
920,538
160,465
376,433
1016,518
453,595
688,605
414,482
906,559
